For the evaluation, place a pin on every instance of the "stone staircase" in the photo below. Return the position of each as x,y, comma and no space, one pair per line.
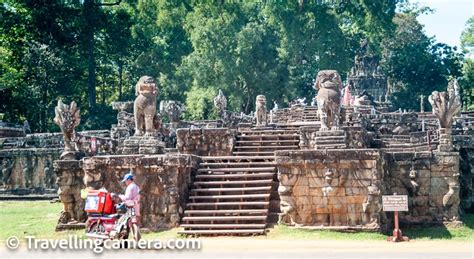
264,142
310,113
330,139
408,143
237,195
230,196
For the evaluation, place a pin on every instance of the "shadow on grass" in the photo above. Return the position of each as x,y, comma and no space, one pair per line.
439,232
468,220
466,231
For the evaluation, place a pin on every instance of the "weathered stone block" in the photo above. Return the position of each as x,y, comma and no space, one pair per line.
356,199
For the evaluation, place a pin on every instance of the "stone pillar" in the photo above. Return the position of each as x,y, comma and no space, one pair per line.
445,140
69,179
422,107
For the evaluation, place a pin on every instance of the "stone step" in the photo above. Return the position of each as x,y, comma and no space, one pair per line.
240,164
273,131
225,218
268,141
227,197
236,176
335,138
241,169
234,158
329,142
269,137
245,182
258,153
334,146
230,203
330,133
222,231
213,212
267,147
240,189
220,226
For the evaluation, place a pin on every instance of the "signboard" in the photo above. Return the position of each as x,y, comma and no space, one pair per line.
395,202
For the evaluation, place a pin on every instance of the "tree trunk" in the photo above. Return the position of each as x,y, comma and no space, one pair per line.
89,16
120,70
104,84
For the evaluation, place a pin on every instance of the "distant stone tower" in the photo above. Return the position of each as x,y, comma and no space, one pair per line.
366,75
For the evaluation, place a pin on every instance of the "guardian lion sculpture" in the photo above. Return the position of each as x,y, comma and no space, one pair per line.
261,110
144,108
329,86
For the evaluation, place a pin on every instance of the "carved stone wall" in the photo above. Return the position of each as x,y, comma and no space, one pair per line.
431,182
205,142
343,188
334,188
163,179
28,170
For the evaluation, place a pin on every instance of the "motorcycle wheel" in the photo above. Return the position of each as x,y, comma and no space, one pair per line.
123,234
96,228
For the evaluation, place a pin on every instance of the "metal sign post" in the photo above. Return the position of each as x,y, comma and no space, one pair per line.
395,203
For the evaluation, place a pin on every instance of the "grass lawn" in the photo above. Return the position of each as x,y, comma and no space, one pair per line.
39,218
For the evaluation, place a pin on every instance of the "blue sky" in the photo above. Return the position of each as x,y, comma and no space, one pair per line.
448,20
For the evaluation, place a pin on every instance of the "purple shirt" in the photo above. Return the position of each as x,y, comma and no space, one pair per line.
131,193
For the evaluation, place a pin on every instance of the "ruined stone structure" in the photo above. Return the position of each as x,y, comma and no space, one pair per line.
205,142
173,110
125,126
323,167
10,130
163,179
331,189
366,75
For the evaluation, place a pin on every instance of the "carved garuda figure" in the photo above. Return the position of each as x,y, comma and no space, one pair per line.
446,104
261,110
329,86
144,107
7,170
451,201
220,103
67,118
172,109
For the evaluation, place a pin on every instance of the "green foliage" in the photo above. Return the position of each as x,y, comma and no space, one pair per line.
416,64
199,102
467,80
94,53
39,218
467,37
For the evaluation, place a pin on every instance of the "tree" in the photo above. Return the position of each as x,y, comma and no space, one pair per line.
418,64
467,80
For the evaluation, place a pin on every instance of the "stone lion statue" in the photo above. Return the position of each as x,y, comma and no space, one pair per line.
144,107
261,110
329,86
